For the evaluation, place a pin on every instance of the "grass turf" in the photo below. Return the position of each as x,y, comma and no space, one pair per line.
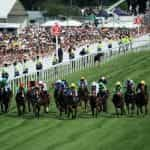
86,133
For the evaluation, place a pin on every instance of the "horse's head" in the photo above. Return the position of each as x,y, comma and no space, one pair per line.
21,92
119,94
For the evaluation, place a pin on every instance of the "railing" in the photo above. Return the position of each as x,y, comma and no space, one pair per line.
68,67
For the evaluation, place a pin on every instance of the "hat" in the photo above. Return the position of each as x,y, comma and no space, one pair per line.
142,82
118,83
94,83
82,78
73,85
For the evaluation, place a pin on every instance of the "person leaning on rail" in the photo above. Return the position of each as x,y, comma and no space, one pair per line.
16,69
5,74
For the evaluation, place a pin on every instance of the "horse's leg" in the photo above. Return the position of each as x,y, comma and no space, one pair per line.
141,109
117,113
19,110
146,109
85,105
38,112
122,110
138,110
97,110
128,108
2,107
68,112
92,109
6,107
132,108
24,108
29,106
75,115
105,106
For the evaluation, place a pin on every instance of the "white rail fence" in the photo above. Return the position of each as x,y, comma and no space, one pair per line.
66,68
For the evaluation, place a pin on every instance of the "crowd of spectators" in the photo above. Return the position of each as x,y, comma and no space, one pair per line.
34,41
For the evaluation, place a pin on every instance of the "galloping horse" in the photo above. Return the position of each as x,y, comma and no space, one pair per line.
5,97
72,105
103,96
118,102
61,100
142,99
38,98
21,101
83,94
129,97
95,103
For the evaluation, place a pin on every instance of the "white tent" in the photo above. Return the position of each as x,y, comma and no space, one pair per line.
52,22
121,25
9,25
73,23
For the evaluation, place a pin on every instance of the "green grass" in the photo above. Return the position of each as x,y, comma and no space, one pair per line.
85,133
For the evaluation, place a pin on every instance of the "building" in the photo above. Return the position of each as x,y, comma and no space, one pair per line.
12,12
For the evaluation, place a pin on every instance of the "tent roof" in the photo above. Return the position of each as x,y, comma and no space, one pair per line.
5,8
62,23
9,25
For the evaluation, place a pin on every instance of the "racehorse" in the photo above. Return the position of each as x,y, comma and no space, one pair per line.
83,94
95,103
72,105
21,101
103,96
130,97
118,102
61,100
38,98
5,98
142,98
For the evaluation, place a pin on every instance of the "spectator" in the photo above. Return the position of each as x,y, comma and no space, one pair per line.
60,55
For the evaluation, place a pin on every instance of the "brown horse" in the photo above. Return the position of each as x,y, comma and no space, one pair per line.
5,98
130,97
72,105
21,101
118,102
103,96
142,98
95,103
38,98
83,94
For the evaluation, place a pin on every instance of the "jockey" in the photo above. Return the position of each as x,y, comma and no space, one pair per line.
139,86
94,88
58,84
43,86
65,83
102,87
21,86
83,82
103,80
118,88
4,84
130,85
74,91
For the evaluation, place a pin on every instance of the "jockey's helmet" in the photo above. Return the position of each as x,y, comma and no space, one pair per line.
143,82
58,81
118,83
94,83
131,82
82,78
41,83
73,85
103,78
